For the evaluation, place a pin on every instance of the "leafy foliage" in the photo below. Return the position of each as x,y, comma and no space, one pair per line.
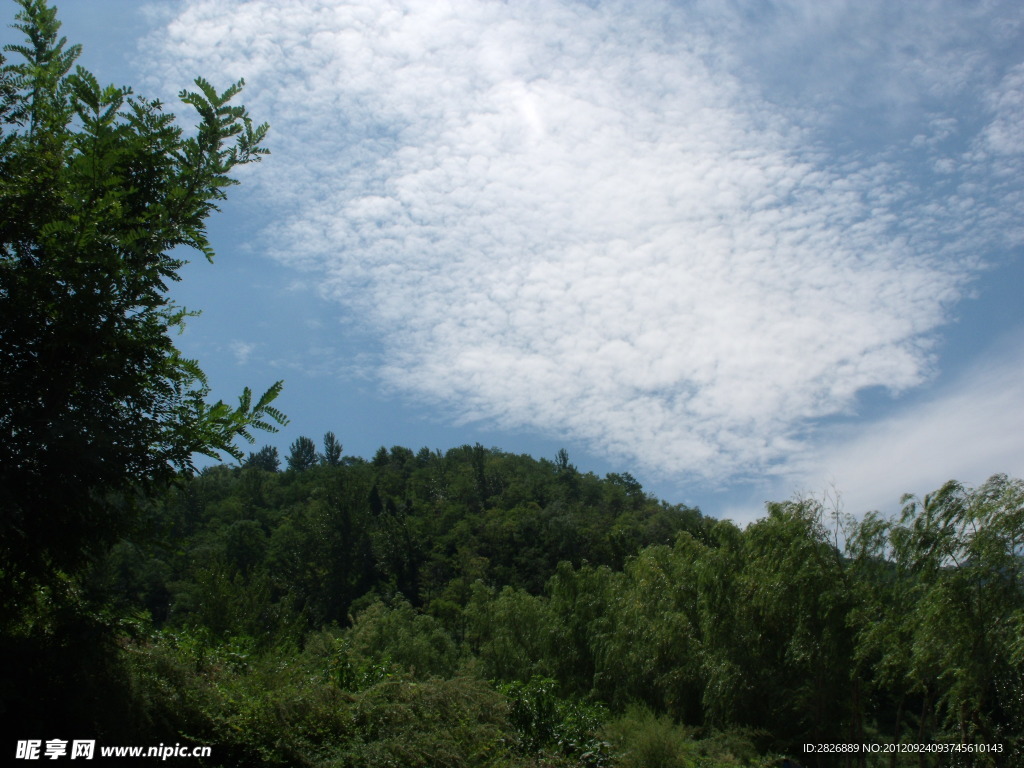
302,455
265,458
806,625
98,188
332,450
549,722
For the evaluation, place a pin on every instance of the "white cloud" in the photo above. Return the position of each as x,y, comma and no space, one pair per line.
967,432
1005,134
583,220
242,350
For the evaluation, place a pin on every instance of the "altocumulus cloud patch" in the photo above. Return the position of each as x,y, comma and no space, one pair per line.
587,219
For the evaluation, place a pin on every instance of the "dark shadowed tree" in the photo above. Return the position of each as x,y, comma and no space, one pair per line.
562,461
266,458
332,451
98,189
302,455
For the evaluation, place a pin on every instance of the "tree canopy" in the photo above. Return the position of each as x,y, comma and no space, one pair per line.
100,189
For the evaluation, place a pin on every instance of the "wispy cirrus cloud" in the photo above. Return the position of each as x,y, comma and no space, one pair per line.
967,431
628,223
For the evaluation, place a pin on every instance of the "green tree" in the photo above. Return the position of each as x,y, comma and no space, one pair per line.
266,458
793,612
302,454
944,637
332,450
649,649
98,189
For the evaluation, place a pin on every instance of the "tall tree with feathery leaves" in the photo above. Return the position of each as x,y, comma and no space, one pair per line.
98,189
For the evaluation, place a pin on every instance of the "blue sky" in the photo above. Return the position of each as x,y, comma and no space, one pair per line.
740,255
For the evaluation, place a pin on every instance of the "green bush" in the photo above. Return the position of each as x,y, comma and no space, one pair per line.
283,708
547,723
641,739
398,635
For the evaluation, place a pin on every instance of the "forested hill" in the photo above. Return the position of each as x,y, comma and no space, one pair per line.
331,533
500,610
